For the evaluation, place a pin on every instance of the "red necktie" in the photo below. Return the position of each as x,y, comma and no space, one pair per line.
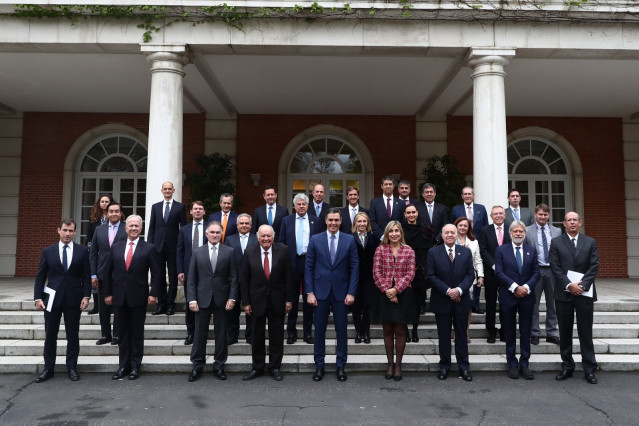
388,207
129,255
267,269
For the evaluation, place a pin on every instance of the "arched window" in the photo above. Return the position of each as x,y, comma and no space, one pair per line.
540,172
327,160
112,164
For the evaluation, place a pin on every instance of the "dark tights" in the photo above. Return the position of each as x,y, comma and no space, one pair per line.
395,343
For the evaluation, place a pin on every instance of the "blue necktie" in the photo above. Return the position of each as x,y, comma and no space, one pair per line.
544,241
518,258
300,236
515,214
166,212
65,260
331,249
270,215
318,210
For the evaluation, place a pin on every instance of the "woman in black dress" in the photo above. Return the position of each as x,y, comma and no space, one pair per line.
366,244
97,218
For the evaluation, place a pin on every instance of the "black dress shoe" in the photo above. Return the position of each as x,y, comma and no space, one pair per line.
443,374
492,336
291,339
563,375
46,375
158,311
170,311
358,337
319,374
195,374
590,378
414,335
553,339
513,373
220,374
73,375
477,311
308,339
249,341
135,373
397,377
502,337
526,373
115,341
120,374
253,374
367,338
341,374
232,341
392,374
534,340
465,374
103,341
277,376
188,340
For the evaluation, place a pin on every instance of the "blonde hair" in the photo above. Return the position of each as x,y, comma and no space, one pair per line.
361,214
391,225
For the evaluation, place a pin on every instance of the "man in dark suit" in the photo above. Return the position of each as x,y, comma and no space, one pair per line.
432,214
403,189
540,235
331,275
266,280
576,253
450,270
517,271
516,212
385,208
239,242
297,230
64,268
492,236
166,219
319,208
271,213
126,287
103,237
476,213
349,212
226,217
191,236
212,288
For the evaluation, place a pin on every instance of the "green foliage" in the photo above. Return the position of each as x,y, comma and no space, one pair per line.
212,181
448,180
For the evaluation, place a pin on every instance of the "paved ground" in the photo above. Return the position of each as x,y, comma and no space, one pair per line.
364,399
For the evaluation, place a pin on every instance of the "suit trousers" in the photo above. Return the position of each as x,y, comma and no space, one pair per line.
546,284
105,315
198,351
189,320
298,279
233,321
583,306
476,294
459,320
360,309
340,318
275,338
490,294
131,326
525,308
168,261
72,328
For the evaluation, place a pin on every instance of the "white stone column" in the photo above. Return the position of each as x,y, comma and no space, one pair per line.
165,120
490,170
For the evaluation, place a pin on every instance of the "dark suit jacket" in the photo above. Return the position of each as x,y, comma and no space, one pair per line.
323,213
342,276
440,218
287,233
507,272
234,242
413,201
205,287
480,217
100,248
159,232
231,223
444,276
347,225
185,247
488,246
366,255
70,286
260,217
377,214
531,236
134,283
525,216
257,290
565,257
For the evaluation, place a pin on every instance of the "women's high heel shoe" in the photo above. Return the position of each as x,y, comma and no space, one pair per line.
397,377
390,376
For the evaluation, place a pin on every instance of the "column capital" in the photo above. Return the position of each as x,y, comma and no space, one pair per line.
492,56
167,57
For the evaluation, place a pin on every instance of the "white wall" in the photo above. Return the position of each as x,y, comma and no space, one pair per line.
10,161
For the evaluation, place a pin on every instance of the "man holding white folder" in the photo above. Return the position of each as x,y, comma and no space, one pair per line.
574,261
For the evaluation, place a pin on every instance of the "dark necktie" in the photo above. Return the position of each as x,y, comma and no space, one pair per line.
544,242
65,261
573,241
167,209
332,249
213,259
518,258
450,255
196,236
267,268
388,208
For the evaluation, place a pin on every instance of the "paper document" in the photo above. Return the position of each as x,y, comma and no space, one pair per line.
51,293
575,277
